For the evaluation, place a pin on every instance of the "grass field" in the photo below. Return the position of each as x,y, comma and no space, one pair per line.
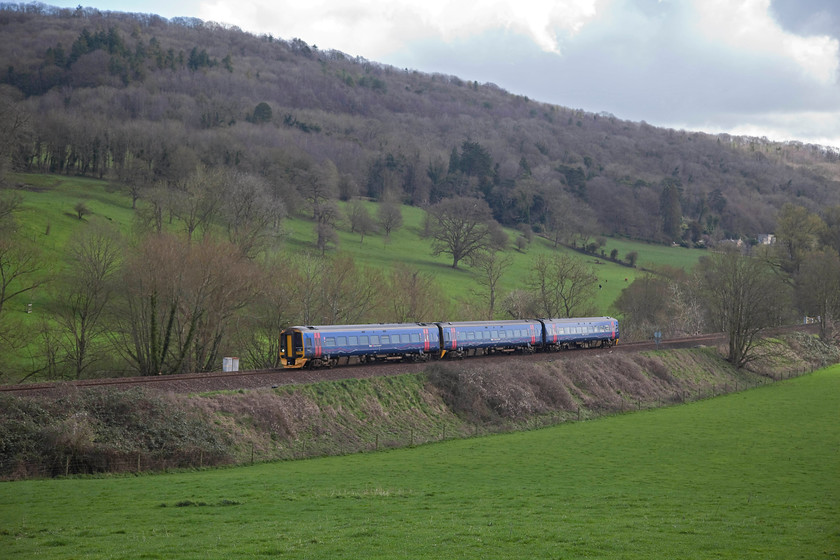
748,475
47,215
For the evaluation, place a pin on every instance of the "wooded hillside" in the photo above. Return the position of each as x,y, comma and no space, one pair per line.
145,100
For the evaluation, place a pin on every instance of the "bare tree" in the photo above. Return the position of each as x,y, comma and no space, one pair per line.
818,288
275,306
562,285
460,227
360,219
81,209
413,296
15,124
9,204
176,303
250,212
21,268
306,272
317,186
197,203
349,293
831,234
85,291
645,307
390,217
327,214
520,304
744,296
798,232
491,266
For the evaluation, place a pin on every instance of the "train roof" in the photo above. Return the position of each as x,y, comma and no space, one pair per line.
503,323
578,320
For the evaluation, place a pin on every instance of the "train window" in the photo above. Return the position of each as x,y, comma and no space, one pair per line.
363,340
385,339
342,341
502,334
353,341
494,334
374,340
415,337
405,338
329,342
486,335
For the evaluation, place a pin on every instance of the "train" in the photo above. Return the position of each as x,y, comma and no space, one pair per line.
333,345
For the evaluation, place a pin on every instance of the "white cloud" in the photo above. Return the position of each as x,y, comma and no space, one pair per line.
748,27
374,28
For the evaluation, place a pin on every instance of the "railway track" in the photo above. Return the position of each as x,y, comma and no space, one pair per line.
255,379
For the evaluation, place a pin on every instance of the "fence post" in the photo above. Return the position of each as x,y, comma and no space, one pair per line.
252,453
377,442
67,466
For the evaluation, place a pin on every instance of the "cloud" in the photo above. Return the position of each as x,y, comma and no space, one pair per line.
746,64
375,28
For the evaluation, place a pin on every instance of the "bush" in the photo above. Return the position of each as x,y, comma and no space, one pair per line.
94,430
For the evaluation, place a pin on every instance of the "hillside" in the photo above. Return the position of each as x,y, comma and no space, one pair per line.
145,100
47,212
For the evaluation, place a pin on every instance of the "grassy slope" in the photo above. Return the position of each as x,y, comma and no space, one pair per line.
748,475
49,202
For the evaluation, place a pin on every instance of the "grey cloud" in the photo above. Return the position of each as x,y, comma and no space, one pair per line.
808,17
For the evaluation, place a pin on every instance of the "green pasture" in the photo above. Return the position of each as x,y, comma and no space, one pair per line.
48,217
748,475
407,246
652,256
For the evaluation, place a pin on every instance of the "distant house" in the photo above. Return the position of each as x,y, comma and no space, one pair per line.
766,239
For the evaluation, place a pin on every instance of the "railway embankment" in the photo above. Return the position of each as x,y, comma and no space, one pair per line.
108,430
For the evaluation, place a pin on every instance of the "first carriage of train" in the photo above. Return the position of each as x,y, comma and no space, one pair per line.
331,345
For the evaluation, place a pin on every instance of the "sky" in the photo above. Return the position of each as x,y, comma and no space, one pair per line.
764,68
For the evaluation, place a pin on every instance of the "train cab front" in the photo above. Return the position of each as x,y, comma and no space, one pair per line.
292,351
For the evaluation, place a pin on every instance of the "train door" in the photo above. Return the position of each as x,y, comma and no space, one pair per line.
291,348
